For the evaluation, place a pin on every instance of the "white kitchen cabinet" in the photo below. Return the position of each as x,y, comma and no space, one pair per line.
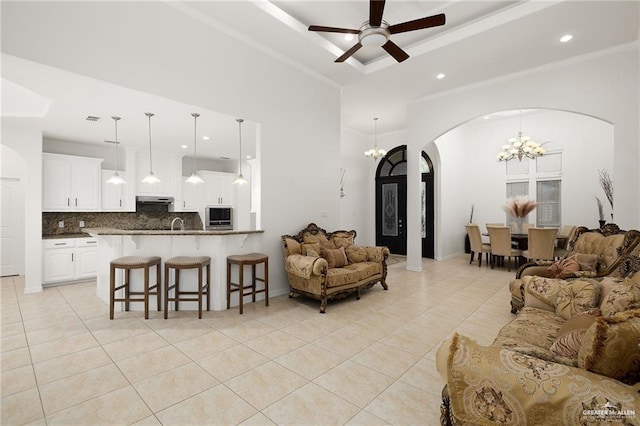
192,197
165,167
218,188
69,259
70,183
115,197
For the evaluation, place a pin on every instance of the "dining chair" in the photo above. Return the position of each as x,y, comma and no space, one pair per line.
564,237
500,239
477,246
541,243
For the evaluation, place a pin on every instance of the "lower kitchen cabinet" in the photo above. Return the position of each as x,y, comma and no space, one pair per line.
69,259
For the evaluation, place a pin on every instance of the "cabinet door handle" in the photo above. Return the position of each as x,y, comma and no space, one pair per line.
120,203
184,204
72,257
76,202
92,242
68,201
59,244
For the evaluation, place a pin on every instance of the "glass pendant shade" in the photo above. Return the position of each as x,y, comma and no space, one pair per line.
194,178
240,180
151,177
116,179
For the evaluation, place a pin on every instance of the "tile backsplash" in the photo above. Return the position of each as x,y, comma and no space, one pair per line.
119,220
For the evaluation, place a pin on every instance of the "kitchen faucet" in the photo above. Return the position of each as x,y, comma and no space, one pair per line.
173,222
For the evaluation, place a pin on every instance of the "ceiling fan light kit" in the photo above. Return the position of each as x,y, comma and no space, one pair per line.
377,32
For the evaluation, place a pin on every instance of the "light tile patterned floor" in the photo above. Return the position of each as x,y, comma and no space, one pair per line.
367,362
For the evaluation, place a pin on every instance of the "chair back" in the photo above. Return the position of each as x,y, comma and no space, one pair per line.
475,238
542,243
567,232
500,238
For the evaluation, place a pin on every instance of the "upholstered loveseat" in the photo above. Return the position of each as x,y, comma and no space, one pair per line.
597,253
570,357
329,265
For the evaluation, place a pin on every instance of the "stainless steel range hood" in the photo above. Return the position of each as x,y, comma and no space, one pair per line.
153,204
141,199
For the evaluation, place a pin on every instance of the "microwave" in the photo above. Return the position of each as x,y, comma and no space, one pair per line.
218,218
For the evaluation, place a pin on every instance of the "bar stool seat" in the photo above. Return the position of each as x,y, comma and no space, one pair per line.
179,263
243,260
129,263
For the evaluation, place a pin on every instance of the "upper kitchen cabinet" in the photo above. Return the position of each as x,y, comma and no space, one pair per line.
218,188
165,166
70,183
116,197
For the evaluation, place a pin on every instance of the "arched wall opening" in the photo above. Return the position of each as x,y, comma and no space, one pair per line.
469,175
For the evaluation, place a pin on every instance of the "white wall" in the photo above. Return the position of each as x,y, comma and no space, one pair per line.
299,115
24,136
12,167
603,85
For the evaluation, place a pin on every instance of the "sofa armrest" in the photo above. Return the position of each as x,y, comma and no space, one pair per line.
305,266
496,385
377,253
538,268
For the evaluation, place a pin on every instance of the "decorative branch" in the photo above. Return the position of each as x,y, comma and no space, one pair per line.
606,182
471,216
600,208
519,206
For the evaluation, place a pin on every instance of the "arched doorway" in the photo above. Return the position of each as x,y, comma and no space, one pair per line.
391,202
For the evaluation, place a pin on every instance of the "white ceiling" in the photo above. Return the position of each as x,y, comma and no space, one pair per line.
482,40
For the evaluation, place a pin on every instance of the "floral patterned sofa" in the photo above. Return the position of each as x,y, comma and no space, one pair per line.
329,265
570,357
597,253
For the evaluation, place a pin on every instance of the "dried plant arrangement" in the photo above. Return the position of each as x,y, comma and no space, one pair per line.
519,206
600,208
606,183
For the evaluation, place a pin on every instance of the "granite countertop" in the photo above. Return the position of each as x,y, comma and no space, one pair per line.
114,231
60,236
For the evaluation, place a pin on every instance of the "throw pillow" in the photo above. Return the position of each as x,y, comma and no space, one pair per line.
563,268
293,247
336,258
571,334
314,238
356,254
342,238
577,297
306,248
540,292
610,347
623,297
606,285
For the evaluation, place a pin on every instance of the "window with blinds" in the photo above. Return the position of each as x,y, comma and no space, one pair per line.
548,198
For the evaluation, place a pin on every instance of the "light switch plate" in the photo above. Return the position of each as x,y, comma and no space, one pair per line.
61,224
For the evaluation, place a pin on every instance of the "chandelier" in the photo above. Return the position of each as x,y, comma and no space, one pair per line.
375,152
520,147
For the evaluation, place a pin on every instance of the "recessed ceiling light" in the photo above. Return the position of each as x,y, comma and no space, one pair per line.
486,117
440,76
248,157
348,37
205,138
565,38
184,146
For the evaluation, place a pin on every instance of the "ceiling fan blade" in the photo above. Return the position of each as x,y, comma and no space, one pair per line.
332,29
395,51
349,52
418,24
376,7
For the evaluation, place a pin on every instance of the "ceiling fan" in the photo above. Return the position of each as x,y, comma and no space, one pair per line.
377,32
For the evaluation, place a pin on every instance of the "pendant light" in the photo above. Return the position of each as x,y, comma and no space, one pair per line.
375,152
150,178
194,178
116,179
240,180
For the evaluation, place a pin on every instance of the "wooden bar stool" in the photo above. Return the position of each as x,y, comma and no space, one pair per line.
242,260
184,262
128,263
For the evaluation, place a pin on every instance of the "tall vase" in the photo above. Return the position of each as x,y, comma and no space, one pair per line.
519,225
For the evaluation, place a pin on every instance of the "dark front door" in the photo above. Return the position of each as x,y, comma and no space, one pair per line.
391,205
391,202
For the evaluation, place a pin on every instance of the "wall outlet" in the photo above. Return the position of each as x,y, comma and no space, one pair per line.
82,224
61,224
324,213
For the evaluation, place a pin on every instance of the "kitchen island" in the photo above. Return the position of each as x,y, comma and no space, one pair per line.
114,243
